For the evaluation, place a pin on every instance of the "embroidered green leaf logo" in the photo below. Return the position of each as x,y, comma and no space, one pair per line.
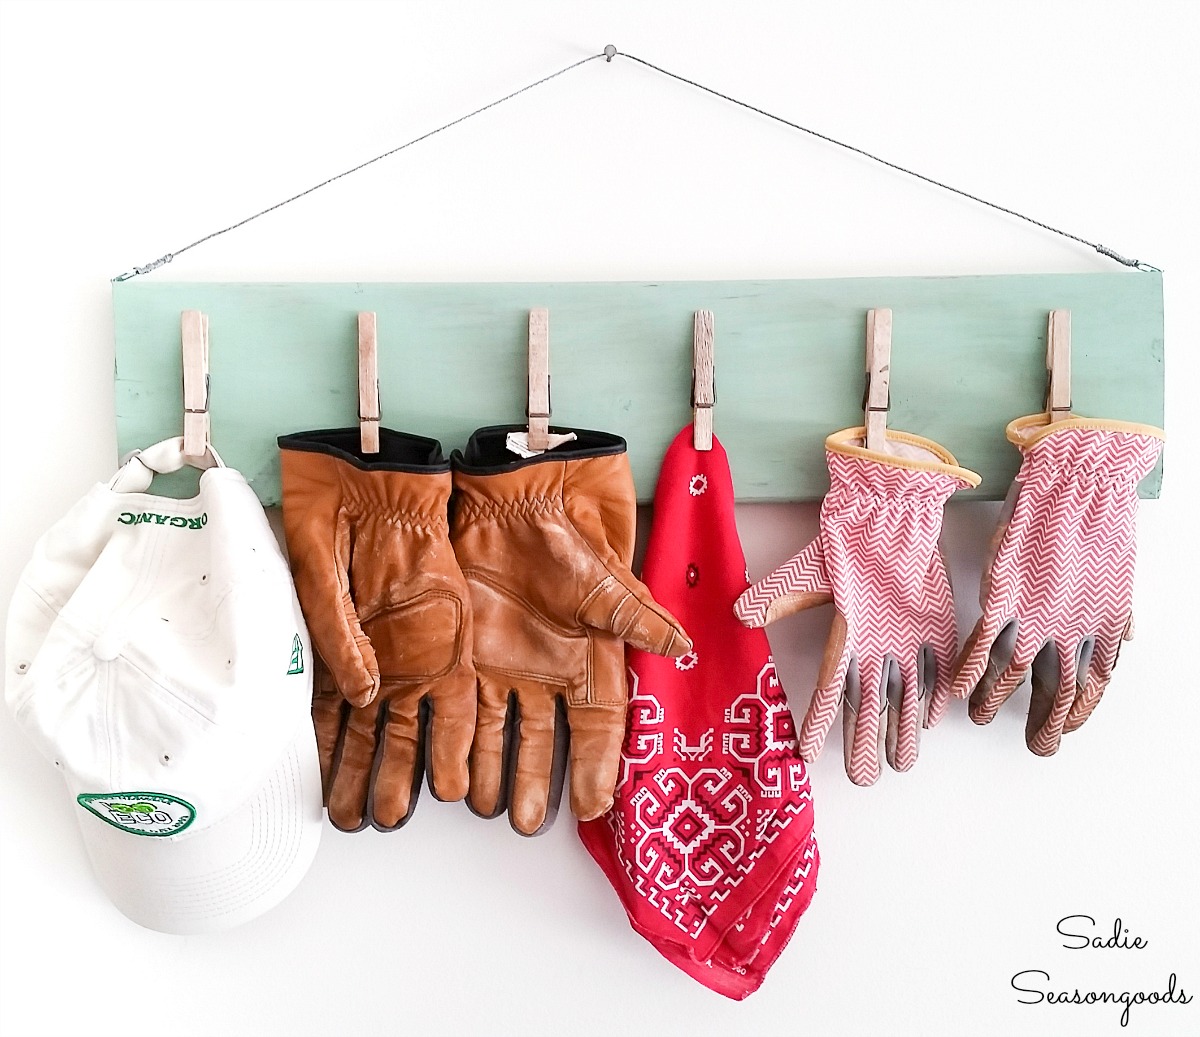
140,813
297,663
132,808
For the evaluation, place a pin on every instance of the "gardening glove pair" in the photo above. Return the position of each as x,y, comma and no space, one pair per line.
544,545
1057,592
893,638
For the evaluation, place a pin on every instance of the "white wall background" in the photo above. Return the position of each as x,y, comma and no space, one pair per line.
132,128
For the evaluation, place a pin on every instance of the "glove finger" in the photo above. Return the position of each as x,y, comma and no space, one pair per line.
496,715
1003,673
349,788
907,696
596,713
399,761
862,720
621,604
1095,673
800,583
818,721
936,659
827,699
328,709
940,643
986,702
322,578
537,762
351,657
938,703
1054,690
596,736
971,667
1085,703
451,728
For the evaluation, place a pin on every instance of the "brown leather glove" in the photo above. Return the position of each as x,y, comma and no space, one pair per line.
388,612
545,544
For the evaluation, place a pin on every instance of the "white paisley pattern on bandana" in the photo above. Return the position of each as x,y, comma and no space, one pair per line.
695,827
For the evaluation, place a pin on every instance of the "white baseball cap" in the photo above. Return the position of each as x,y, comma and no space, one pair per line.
156,653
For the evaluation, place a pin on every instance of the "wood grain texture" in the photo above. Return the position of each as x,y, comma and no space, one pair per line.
1058,364
879,378
968,355
538,357
193,328
368,383
704,396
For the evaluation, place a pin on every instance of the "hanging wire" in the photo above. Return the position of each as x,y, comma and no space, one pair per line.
608,54
1103,250
169,256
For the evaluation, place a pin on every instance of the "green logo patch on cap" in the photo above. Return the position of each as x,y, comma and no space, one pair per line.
138,518
297,662
142,813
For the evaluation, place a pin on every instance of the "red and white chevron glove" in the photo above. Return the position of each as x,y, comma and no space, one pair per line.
1057,594
893,638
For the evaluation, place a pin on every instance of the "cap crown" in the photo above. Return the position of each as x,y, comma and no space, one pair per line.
155,646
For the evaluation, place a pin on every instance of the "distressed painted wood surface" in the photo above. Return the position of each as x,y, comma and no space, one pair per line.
968,355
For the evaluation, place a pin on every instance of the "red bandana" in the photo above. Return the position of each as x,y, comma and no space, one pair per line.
709,843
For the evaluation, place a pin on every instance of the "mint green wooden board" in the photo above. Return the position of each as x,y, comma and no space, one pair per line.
968,355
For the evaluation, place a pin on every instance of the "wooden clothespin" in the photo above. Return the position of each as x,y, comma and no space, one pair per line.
368,384
194,332
538,407
877,393
704,392
1058,365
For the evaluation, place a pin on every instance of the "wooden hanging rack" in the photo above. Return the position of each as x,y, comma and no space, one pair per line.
974,352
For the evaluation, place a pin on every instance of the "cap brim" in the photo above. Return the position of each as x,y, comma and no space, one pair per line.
223,875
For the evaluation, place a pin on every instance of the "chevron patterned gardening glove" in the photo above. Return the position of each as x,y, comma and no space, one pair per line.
1057,594
389,613
876,558
545,544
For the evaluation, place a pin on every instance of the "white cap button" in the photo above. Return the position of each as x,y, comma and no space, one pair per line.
108,646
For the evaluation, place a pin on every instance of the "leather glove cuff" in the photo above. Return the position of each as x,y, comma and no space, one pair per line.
487,454
409,479
487,476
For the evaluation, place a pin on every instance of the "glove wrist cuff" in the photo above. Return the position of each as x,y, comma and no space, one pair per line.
398,451
1104,449
1118,452
1025,432
487,454
906,453
407,482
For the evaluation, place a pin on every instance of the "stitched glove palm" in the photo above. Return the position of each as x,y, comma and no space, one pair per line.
389,614
893,637
545,545
1057,595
